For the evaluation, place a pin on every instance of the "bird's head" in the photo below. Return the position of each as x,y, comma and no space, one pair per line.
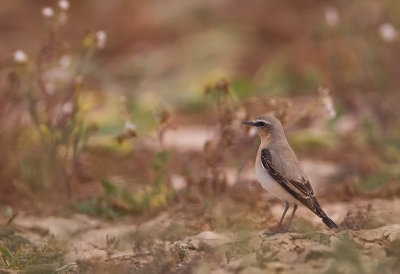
267,125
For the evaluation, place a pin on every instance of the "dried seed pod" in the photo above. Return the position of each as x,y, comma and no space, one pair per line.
222,85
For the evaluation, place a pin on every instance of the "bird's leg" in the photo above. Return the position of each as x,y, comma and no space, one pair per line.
291,216
266,233
286,204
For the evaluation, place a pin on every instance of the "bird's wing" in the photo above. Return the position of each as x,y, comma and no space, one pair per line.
301,189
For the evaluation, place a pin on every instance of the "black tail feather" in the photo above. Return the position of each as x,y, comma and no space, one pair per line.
329,223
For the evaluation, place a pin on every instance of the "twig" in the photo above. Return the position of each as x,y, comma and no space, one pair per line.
12,218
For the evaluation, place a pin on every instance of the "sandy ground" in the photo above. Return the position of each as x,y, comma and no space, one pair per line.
89,245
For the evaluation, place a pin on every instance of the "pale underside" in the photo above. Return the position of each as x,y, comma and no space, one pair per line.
272,186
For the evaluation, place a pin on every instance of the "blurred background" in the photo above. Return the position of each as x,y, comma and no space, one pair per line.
116,108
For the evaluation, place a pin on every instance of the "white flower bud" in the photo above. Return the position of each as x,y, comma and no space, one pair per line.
130,128
20,57
387,32
101,37
331,16
65,61
48,12
67,108
63,4
328,104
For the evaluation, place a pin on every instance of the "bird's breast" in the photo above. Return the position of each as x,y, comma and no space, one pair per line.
271,185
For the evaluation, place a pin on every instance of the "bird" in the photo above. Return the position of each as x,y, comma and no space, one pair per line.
280,172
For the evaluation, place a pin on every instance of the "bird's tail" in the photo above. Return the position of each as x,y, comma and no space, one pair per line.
329,223
318,210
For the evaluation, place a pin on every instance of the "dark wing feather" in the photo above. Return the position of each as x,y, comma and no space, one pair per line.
301,191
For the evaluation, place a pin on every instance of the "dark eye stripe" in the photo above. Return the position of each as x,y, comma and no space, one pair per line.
260,124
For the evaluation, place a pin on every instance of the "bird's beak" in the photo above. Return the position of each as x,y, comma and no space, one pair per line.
249,123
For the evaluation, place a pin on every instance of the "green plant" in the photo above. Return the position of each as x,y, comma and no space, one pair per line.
116,201
51,84
18,253
10,260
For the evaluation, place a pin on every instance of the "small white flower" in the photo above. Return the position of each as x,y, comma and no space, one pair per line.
20,57
63,4
387,32
48,12
129,128
67,108
328,104
101,37
331,16
65,61
178,182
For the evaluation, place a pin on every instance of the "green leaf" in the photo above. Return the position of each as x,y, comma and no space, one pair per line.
108,211
6,253
163,156
109,188
127,197
87,207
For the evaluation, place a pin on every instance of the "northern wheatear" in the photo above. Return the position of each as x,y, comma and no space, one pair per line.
280,172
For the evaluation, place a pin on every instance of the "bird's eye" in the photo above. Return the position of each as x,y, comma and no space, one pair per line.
259,124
